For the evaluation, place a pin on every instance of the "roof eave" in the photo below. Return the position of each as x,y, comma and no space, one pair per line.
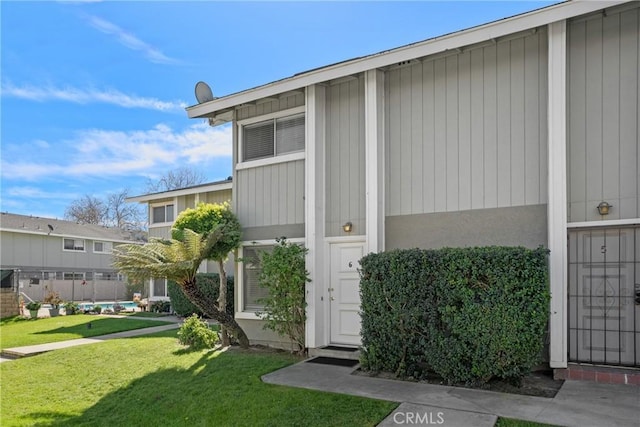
492,30
181,192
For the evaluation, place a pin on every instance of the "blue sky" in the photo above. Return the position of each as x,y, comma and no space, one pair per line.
93,94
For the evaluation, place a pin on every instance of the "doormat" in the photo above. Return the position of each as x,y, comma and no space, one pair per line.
333,361
338,348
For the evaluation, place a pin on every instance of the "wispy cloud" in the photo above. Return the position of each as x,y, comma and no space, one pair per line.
130,41
33,192
88,96
99,153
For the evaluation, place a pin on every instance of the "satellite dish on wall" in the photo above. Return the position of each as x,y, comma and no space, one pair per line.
203,92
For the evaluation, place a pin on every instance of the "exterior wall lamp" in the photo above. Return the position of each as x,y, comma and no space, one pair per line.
603,208
347,227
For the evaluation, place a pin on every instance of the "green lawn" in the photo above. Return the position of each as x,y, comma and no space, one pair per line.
152,380
18,332
508,422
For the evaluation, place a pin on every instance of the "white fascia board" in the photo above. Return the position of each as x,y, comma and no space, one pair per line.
451,41
183,192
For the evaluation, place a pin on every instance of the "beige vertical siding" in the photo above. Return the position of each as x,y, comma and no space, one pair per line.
271,195
603,115
216,197
345,157
468,130
284,102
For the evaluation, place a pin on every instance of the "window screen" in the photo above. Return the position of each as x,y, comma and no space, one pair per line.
162,214
158,214
159,287
251,273
289,134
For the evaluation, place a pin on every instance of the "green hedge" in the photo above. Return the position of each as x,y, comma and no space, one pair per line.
467,314
210,285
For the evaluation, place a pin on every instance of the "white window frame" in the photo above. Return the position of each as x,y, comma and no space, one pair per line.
240,313
288,157
105,245
84,245
164,205
74,275
152,293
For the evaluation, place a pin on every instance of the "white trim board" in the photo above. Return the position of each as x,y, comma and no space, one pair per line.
604,223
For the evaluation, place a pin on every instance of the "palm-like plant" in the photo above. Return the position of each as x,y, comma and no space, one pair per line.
178,259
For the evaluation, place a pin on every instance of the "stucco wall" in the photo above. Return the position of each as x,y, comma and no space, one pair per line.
513,226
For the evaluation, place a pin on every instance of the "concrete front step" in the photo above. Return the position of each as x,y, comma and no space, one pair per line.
338,352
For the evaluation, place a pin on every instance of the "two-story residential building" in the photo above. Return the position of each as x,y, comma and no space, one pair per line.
47,254
164,207
522,131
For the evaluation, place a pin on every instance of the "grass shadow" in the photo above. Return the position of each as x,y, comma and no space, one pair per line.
221,388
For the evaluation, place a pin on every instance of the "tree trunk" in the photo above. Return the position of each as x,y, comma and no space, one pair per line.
222,300
210,308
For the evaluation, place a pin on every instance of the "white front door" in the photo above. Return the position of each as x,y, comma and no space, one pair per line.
344,292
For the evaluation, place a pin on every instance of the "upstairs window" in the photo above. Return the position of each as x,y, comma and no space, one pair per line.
73,245
161,214
102,247
273,137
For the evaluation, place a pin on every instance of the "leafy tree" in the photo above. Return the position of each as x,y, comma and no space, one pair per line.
178,259
285,276
174,179
205,218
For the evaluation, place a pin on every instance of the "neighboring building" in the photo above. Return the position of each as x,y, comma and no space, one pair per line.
509,133
164,207
72,259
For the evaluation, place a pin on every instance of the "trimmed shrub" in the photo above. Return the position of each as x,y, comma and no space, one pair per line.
285,276
159,307
467,314
209,283
196,333
71,308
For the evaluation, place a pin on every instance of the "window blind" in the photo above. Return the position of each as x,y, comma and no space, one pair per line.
250,279
258,141
289,134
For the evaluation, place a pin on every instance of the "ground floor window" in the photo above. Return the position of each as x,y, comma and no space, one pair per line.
159,288
251,269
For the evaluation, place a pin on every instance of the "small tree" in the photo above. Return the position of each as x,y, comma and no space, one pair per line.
203,219
178,259
285,276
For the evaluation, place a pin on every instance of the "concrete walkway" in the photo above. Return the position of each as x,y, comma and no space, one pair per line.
578,403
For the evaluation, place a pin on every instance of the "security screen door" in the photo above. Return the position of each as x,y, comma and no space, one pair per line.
604,296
